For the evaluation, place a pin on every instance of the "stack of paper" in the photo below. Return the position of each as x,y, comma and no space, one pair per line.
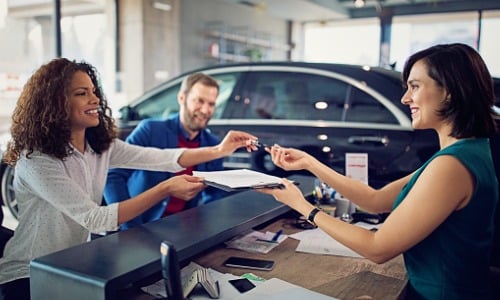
236,180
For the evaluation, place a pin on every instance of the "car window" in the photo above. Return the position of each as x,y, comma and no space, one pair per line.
164,103
161,104
361,107
303,96
227,82
289,95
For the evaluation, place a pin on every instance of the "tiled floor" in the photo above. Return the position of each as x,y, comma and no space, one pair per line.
8,220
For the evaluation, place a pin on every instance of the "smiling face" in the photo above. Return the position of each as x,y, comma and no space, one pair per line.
197,107
424,97
84,104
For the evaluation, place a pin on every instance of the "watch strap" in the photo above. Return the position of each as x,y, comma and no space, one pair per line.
313,214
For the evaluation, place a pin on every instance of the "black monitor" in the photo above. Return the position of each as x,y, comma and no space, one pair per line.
171,271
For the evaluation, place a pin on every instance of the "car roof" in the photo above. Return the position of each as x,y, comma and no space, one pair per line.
360,73
334,67
363,73
355,71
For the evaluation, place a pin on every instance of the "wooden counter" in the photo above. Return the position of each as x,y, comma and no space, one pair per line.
336,276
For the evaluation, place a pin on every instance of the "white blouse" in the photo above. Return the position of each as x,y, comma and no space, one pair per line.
60,200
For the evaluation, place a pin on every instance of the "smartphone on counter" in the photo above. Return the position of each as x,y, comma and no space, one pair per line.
249,263
242,284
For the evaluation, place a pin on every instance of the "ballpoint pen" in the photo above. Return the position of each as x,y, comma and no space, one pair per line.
277,235
274,239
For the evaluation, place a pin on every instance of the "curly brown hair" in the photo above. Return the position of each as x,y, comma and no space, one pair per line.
41,119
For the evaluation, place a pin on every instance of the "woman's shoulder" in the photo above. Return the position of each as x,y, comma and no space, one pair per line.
474,154
36,160
465,147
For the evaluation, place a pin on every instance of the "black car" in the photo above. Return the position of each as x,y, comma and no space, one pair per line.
327,110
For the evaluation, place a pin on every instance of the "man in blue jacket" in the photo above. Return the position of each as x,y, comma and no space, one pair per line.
187,129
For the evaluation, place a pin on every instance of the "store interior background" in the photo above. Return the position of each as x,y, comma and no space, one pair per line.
150,41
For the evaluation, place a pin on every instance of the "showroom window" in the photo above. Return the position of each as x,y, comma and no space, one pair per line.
413,33
358,41
350,41
28,41
488,43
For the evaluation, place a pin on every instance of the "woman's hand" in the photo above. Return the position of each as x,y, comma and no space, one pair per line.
184,187
237,139
290,194
288,158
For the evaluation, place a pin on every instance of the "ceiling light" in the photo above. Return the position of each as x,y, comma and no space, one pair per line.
162,5
359,3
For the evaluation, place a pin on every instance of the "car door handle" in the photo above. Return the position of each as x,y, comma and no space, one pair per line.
375,140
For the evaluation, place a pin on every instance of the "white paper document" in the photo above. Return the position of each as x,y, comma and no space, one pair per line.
269,289
277,289
231,180
256,242
317,241
356,166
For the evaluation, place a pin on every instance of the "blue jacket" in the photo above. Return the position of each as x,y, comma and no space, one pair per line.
123,184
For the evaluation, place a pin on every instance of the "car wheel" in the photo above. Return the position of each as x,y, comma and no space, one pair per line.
8,195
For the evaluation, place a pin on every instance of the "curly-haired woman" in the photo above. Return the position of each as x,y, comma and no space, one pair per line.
63,142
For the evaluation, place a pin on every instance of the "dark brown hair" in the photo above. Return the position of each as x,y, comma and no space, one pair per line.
192,79
41,119
461,71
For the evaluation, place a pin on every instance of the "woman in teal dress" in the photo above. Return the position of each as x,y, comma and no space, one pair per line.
442,214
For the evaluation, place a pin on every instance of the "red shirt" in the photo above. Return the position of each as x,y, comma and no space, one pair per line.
175,204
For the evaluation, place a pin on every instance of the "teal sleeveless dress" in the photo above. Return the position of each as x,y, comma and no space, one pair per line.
453,261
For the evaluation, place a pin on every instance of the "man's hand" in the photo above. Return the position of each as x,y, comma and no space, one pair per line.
236,139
